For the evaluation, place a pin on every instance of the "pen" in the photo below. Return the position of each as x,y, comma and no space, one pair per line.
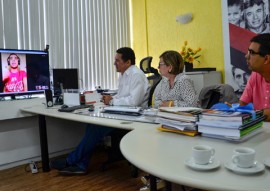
227,103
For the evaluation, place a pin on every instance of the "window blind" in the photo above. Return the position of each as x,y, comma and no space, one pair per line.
81,34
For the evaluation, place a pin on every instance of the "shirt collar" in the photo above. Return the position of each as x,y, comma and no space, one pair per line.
177,77
128,71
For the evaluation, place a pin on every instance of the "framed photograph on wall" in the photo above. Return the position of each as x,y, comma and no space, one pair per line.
242,20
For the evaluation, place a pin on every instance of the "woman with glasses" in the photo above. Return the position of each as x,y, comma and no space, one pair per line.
175,88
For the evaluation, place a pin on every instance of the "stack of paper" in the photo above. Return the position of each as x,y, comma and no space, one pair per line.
150,112
230,125
124,110
178,119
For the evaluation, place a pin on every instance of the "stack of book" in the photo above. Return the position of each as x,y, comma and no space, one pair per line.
229,125
179,119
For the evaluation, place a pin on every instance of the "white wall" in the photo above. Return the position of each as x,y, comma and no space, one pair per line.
19,134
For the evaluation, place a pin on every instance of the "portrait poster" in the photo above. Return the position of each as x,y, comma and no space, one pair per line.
242,20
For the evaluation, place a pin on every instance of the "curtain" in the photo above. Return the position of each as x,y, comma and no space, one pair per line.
81,34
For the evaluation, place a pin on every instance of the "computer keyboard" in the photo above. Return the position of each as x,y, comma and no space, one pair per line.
73,108
123,113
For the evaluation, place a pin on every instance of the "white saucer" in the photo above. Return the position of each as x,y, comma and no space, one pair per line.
267,162
214,164
257,167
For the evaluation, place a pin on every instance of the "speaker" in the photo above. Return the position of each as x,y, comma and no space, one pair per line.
49,98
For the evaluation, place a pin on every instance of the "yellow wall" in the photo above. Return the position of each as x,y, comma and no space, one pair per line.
155,29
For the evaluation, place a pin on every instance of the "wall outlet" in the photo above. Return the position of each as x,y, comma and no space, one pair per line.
33,167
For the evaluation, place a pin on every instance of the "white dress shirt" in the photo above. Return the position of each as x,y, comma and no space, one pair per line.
133,88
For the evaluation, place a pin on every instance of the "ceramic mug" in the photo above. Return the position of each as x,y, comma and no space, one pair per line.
202,154
243,157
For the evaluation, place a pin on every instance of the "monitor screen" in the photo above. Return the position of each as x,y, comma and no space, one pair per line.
23,72
67,78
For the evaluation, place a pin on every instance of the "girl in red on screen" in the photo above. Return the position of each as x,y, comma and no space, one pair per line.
16,79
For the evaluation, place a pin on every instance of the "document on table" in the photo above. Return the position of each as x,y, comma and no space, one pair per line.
141,118
123,109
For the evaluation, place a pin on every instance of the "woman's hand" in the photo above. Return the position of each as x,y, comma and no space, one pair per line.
228,104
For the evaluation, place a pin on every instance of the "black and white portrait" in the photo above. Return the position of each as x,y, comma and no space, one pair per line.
242,19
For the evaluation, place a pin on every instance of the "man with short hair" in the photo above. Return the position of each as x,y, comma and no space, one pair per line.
257,90
255,16
240,77
133,90
16,79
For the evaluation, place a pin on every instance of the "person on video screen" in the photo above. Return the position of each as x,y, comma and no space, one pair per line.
36,80
16,79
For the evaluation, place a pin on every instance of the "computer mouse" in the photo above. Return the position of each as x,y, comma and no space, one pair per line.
64,106
91,108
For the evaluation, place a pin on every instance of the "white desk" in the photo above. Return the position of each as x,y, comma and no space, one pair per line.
10,108
163,155
43,111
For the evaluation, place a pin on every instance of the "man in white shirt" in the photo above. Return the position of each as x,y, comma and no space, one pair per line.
133,85
133,90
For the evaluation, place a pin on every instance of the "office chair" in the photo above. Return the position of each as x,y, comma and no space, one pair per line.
154,79
145,65
213,94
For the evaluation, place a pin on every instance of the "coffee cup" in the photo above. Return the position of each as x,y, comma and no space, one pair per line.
202,154
243,157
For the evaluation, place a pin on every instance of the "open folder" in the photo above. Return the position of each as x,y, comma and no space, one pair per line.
184,132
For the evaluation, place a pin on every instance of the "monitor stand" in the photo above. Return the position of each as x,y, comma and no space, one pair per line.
13,97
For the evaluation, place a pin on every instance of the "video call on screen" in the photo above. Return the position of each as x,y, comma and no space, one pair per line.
35,64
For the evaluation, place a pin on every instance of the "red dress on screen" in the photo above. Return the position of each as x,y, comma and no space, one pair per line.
14,83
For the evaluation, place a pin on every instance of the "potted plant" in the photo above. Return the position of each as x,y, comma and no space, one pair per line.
189,56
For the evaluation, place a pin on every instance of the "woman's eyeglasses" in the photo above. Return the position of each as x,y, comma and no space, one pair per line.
160,64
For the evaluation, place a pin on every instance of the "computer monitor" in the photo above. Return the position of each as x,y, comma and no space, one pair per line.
23,72
65,79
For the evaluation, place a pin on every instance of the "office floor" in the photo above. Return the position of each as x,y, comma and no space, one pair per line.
116,178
